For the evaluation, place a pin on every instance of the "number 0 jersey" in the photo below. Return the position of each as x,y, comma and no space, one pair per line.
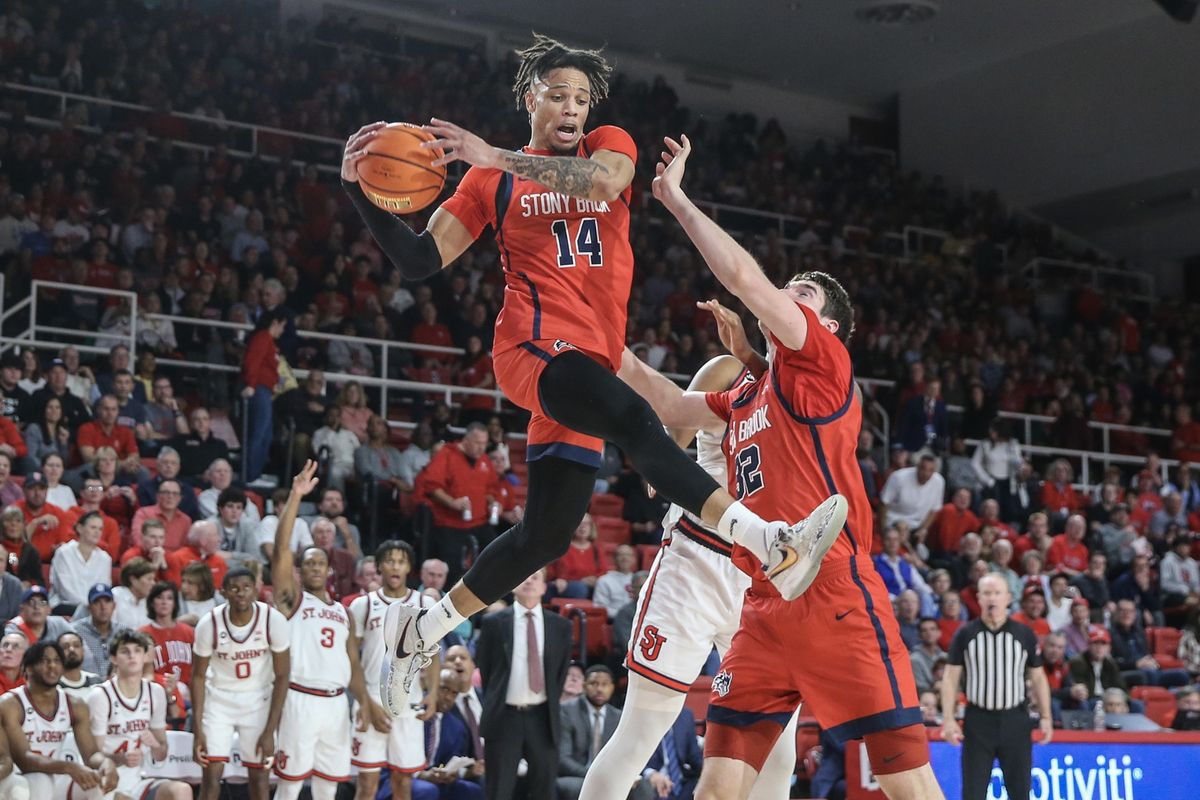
567,261
239,659
791,440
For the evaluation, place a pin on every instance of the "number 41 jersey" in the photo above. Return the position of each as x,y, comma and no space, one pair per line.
567,261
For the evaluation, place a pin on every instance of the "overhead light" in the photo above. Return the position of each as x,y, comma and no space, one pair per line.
897,12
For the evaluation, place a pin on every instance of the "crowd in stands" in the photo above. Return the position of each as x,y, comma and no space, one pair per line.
121,506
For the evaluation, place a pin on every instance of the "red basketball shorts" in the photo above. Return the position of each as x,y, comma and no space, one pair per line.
836,648
517,374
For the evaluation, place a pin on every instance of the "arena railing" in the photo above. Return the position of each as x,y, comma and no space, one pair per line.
1139,286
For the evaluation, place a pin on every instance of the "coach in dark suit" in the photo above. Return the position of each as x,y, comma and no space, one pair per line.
588,723
446,736
522,655
677,760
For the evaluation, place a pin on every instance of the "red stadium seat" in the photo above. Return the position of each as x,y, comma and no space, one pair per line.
1159,702
646,554
612,530
1164,644
607,505
599,632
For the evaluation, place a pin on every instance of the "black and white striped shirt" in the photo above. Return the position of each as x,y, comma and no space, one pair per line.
994,662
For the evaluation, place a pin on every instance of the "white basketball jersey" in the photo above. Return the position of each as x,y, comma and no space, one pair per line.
119,723
711,459
368,612
320,632
240,659
46,734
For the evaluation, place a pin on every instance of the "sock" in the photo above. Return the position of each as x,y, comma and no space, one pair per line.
742,526
323,789
439,620
288,790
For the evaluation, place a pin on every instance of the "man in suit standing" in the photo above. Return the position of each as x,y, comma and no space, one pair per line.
522,656
587,723
446,736
674,769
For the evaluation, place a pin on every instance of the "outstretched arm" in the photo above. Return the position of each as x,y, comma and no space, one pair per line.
286,595
674,407
716,375
733,335
730,263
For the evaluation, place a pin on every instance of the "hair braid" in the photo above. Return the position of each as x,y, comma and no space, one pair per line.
546,54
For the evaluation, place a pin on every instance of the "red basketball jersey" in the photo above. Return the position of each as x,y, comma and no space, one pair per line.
567,261
791,442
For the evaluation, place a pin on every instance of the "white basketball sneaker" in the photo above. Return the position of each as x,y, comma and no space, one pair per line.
798,549
405,655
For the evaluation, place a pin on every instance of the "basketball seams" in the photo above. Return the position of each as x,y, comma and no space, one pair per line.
441,174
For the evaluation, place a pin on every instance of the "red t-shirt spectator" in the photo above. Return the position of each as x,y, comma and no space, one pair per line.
452,472
1040,626
8,685
436,334
1187,441
50,538
260,366
949,526
119,438
478,375
578,563
172,650
178,559
110,541
1144,507
10,435
948,626
176,527
1065,553
1060,500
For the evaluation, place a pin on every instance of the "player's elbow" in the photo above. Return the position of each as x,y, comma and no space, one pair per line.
606,190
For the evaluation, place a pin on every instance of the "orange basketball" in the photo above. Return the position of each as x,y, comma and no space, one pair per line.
397,175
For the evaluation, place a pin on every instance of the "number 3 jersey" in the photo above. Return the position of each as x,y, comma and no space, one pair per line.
320,632
240,658
567,261
791,439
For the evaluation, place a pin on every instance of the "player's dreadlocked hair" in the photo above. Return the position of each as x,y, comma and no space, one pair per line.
546,54
837,301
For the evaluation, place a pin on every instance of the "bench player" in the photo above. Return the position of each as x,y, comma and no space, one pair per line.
240,666
787,440
402,748
560,209
37,718
314,732
691,602
129,716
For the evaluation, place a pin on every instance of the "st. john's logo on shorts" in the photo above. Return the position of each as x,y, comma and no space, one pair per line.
721,682
651,643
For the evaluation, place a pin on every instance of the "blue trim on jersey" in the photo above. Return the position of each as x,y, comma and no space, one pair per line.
749,392
787,406
743,719
504,189
563,450
891,720
537,306
530,347
823,462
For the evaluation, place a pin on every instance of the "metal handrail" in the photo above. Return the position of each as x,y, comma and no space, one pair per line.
1086,457
1145,279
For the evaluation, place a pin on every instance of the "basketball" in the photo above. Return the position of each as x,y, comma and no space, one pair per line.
397,175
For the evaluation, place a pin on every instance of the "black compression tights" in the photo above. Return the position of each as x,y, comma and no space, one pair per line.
586,397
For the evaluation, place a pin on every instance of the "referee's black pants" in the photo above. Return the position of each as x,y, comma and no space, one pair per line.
991,735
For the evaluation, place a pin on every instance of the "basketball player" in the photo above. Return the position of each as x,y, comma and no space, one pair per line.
37,718
240,669
129,713
560,209
13,785
790,438
691,602
402,748
314,733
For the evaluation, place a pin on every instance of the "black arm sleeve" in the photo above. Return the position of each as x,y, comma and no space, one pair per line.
415,255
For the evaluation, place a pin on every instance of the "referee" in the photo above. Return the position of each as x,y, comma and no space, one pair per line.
998,655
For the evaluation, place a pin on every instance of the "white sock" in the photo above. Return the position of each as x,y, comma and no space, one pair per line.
742,526
288,790
439,620
649,712
323,789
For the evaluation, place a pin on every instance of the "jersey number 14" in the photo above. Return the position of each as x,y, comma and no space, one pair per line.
587,242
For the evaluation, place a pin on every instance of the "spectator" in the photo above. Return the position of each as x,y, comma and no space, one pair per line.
352,401
1036,536
341,561
21,558
588,722
220,477
10,592
15,402
417,455
172,639
923,423
74,410
1033,612
333,508
90,500
79,378
926,653
1093,586
913,495
260,374
75,679
12,650
573,686
166,510
908,615
31,377
997,461
950,617
301,535
970,548
1059,602
434,575
1031,571
1118,538
203,547
431,332
1172,513
1064,691
1179,575
239,536
131,411
1132,652
897,573
105,432
1185,439
97,629
1138,585
12,444
57,494
460,483
1067,551
1148,501
376,460
476,372
45,525
34,621
1059,498
999,565
447,737
199,448
302,410
79,564
1187,710
1094,667
154,534
10,490
674,769
575,573
1077,632
164,415
167,468
989,515
337,444
970,593
612,589
138,577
